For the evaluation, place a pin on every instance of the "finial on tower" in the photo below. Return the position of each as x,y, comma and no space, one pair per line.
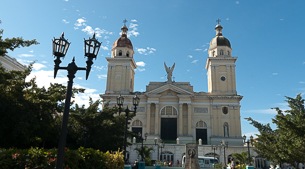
218,21
218,28
125,21
124,28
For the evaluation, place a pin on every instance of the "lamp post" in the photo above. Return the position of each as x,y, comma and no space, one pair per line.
120,102
214,149
157,144
161,146
248,146
224,145
142,139
60,48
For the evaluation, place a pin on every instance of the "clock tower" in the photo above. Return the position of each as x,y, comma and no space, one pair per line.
220,65
121,66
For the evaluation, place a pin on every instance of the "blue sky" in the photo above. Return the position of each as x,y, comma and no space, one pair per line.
266,36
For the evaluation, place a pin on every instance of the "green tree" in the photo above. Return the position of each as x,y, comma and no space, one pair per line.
91,127
241,159
29,113
286,143
13,43
146,153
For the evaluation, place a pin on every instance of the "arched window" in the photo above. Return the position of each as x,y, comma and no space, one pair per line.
127,54
169,111
221,52
225,110
226,129
201,124
120,53
137,123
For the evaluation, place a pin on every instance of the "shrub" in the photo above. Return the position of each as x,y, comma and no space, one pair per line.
37,158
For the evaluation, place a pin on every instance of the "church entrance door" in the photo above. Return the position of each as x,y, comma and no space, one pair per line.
202,133
169,129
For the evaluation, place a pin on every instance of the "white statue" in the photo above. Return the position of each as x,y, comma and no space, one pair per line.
169,71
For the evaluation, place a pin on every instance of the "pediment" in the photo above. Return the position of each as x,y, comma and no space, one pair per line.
169,89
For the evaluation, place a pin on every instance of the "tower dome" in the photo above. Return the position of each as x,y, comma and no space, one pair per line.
219,39
123,41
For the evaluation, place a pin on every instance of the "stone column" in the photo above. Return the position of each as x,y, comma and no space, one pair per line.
148,118
157,119
189,112
180,120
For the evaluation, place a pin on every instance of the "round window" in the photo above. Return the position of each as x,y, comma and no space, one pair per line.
223,78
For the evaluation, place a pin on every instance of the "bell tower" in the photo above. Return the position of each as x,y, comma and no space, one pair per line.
121,65
220,65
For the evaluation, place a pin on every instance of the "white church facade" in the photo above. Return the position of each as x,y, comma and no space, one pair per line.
176,114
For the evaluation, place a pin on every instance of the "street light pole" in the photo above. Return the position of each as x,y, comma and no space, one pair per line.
120,102
157,144
214,149
162,146
248,146
60,48
142,139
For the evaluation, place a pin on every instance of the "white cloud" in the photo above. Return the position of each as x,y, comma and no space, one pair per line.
146,51
24,55
261,111
45,78
194,61
65,21
88,30
141,69
102,76
133,27
190,56
80,22
198,49
141,66
104,47
38,66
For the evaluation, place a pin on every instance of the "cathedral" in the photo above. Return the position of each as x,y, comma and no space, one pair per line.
172,113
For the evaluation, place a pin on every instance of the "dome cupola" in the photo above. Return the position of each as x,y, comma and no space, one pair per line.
219,45
122,47
123,41
219,39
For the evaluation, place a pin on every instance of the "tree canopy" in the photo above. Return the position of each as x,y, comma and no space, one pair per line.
13,43
31,116
286,142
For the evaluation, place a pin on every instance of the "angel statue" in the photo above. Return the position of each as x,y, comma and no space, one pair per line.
169,71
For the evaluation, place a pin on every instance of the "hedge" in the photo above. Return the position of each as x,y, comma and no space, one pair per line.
38,158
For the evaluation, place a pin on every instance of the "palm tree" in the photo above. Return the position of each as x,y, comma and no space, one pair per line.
241,158
146,153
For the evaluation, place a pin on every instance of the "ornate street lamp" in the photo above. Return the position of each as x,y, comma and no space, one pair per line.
161,146
142,139
120,102
60,48
248,146
214,148
157,144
